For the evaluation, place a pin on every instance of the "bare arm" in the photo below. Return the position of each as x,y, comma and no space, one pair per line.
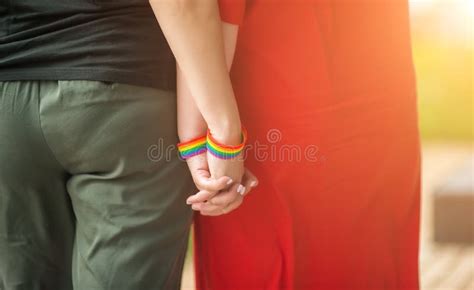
194,32
191,123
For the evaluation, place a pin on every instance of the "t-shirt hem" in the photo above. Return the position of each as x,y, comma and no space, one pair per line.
163,82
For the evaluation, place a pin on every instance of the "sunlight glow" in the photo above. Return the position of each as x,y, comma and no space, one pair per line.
417,6
451,21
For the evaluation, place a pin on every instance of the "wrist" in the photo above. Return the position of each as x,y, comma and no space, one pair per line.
193,147
225,151
187,134
229,133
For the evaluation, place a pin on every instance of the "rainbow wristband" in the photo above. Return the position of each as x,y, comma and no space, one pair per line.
225,151
192,148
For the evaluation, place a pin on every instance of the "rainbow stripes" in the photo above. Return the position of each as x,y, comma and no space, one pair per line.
192,148
202,144
225,151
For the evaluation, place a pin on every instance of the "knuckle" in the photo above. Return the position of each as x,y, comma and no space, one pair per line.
206,187
215,202
228,203
220,207
200,185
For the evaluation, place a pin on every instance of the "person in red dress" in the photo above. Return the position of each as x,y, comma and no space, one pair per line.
326,90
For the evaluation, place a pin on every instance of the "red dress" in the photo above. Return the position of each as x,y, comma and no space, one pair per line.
326,90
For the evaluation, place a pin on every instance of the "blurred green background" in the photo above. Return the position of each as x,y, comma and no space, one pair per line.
442,38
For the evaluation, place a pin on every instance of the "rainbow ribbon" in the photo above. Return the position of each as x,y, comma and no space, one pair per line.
192,148
225,151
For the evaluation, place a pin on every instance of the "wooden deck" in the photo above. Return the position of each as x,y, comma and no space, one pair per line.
442,267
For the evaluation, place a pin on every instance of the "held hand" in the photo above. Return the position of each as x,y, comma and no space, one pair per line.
202,177
212,204
233,168
210,186
218,174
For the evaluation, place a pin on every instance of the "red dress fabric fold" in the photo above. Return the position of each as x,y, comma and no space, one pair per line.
326,90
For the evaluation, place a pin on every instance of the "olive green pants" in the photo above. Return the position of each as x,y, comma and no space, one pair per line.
92,193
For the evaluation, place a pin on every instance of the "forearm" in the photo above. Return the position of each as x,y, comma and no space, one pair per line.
191,124
195,35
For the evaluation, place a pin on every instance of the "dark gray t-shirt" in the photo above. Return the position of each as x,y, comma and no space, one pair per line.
104,40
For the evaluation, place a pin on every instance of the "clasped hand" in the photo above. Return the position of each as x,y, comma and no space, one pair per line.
222,184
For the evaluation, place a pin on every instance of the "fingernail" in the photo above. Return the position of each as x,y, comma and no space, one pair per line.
253,184
239,188
229,181
196,207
